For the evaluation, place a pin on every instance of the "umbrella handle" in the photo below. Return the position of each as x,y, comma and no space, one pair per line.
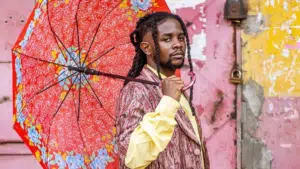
193,80
188,86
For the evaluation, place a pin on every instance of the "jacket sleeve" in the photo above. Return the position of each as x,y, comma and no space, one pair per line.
142,133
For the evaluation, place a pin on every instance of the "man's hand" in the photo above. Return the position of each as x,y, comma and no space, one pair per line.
171,86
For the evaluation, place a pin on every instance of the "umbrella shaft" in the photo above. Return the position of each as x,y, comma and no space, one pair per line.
89,71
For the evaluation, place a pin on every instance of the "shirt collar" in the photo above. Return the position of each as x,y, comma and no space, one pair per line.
155,72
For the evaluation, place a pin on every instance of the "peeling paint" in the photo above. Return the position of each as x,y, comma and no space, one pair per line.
271,59
176,4
198,46
273,53
285,108
253,29
253,94
197,31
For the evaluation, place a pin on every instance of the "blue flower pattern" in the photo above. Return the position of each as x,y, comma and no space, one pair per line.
72,59
30,28
44,3
23,43
19,102
27,35
34,136
115,145
37,13
60,161
140,4
75,162
21,118
18,70
101,160
44,154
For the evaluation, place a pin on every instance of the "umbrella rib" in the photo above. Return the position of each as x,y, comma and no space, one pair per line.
55,78
65,96
86,41
105,53
42,60
93,91
58,39
100,56
55,83
74,102
77,32
75,25
94,37
98,98
78,114
51,121
37,93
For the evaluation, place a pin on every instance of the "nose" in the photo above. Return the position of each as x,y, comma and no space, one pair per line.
177,43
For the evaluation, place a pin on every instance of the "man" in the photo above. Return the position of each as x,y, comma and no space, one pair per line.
155,125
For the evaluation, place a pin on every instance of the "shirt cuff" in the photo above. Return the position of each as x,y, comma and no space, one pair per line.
168,106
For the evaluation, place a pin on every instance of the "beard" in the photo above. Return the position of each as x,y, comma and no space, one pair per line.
170,66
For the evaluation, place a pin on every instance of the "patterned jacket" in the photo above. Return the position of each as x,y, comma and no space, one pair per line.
184,149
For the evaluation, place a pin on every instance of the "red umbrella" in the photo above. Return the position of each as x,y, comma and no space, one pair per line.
66,117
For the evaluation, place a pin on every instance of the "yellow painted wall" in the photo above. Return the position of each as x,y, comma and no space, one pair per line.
271,56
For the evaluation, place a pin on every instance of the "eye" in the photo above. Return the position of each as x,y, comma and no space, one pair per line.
181,38
167,39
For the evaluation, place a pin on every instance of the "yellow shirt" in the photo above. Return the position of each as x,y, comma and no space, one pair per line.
155,131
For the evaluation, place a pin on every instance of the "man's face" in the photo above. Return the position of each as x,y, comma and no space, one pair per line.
172,44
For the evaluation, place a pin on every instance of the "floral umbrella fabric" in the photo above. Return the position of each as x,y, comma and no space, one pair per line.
65,117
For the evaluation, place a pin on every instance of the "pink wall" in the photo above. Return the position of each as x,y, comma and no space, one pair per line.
280,128
213,68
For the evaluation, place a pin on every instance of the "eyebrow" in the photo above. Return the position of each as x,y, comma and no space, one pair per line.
170,34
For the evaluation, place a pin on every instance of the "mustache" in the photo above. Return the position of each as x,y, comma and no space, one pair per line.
177,53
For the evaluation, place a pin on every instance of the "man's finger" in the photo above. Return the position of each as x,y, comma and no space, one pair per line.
172,77
179,82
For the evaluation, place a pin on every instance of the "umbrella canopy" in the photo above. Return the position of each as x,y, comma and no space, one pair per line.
66,117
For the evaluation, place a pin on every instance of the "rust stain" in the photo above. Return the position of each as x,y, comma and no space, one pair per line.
4,99
217,104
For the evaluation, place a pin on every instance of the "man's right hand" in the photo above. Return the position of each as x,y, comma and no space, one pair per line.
172,86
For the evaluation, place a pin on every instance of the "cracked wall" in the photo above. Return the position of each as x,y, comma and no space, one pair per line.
271,102
255,154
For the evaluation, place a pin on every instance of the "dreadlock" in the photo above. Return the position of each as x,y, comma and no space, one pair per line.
149,23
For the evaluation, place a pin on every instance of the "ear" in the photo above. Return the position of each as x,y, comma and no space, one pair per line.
146,48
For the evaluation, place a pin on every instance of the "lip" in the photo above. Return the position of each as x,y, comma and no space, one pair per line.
177,55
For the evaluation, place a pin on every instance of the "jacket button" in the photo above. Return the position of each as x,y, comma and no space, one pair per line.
197,151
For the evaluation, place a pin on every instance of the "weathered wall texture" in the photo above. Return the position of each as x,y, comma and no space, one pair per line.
13,153
212,52
271,102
